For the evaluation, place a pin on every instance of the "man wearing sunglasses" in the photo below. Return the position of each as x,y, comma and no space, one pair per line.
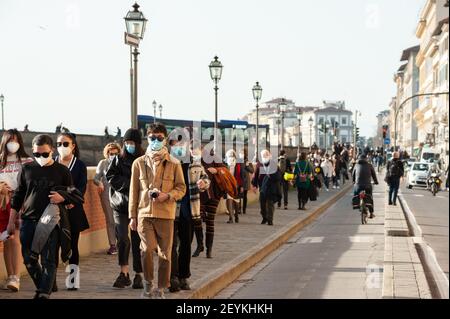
33,195
157,183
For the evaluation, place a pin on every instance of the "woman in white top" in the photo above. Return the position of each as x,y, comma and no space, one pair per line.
110,151
12,157
327,168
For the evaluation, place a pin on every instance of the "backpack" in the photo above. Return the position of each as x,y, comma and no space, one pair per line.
394,170
282,164
226,182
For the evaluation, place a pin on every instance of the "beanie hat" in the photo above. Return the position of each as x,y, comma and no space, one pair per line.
134,135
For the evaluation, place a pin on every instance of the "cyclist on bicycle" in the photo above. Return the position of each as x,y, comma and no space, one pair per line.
362,175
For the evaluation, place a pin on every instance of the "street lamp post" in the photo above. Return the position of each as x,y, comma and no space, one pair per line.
397,110
2,98
154,104
357,113
135,23
160,111
299,118
282,108
257,93
215,70
310,122
327,127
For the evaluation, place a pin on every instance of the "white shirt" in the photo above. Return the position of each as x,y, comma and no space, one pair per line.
10,173
327,167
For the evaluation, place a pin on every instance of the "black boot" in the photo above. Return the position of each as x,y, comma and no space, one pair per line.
199,237
209,244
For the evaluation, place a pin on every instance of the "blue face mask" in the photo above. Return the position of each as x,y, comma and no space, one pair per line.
156,145
179,151
130,148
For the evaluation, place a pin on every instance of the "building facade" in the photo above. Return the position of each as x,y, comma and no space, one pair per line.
432,60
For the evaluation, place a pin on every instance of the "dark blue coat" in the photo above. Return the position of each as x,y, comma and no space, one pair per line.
77,215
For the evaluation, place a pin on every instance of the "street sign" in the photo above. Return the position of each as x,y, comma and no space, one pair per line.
387,141
131,40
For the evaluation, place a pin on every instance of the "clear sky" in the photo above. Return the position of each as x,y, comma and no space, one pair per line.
66,61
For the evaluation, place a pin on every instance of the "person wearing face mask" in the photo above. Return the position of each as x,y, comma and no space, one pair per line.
36,182
238,173
267,179
247,168
69,156
118,176
110,151
12,158
157,184
304,176
197,182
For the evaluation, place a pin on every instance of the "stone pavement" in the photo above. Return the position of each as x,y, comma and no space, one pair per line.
99,270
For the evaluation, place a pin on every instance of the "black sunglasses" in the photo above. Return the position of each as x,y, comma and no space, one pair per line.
65,144
154,138
44,155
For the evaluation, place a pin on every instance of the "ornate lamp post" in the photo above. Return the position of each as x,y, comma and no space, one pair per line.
154,104
282,109
257,93
299,118
2,98
310,122
135,23
215,70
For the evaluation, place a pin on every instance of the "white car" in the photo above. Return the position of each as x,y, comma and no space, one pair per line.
417,175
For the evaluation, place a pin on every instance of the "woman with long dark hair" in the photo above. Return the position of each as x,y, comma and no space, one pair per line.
12,157
69,154
209,202
303,178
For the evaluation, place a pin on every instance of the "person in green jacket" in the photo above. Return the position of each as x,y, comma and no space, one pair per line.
303,175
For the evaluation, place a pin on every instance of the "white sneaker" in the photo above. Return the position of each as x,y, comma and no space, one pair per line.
339,187
147,291
334,187
159,293
13,283
327,189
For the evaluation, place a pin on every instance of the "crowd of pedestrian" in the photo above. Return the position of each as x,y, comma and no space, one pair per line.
154,200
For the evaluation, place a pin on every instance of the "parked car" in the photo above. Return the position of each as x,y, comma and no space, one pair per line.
409,163
417,175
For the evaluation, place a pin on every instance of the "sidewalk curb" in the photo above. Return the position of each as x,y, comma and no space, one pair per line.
404,275
436,278
212,284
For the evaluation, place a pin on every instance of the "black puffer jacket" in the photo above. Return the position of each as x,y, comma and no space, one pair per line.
363,173
119,176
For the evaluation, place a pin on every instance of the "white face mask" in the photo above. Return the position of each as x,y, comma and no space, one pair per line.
266,160
231,161
241,156
64,151
43,161
112,157
13,147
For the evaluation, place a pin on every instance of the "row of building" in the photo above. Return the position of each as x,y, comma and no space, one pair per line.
418,114
317,125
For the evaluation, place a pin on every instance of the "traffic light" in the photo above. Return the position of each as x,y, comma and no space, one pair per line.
357,133
385,128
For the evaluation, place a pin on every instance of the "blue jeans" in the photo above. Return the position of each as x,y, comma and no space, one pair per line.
394,185
43,274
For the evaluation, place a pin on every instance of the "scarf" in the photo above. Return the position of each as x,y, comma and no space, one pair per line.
157,156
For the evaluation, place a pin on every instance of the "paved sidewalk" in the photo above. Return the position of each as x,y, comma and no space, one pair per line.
99,271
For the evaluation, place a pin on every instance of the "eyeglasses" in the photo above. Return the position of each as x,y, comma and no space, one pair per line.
65,144
44,155
154,138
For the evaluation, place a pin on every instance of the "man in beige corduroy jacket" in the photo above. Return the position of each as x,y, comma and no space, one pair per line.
157,183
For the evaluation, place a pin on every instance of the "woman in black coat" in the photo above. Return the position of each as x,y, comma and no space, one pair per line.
69,156
119,177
